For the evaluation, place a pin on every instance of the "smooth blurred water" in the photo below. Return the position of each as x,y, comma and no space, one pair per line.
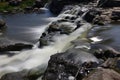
107,35
26,27
113,35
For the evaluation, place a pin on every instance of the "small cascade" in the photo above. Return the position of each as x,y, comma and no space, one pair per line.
35,57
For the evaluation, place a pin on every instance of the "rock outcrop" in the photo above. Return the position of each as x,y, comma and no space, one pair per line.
73,63
16,47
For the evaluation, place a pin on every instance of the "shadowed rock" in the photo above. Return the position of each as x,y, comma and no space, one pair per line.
72,63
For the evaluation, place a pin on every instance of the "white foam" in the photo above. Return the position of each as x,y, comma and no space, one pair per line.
38,57
96,39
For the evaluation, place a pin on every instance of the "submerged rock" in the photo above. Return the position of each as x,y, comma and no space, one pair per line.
16,47
22,75
72,64
12,45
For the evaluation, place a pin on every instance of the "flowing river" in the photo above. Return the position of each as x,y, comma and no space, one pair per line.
28,28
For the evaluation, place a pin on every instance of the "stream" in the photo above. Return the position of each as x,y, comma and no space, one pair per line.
29,27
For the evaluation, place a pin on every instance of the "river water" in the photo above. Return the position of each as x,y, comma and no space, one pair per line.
29,27
107,35
26,27
35,57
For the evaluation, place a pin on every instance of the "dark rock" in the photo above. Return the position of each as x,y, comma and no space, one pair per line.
38,4
28,9
90,15
72,63
16,47
15,2
15,76
104,52
115,15
103,74
99,20
22,75
9,54
108,3
112,63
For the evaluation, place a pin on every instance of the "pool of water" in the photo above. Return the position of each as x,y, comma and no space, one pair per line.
107,35
26,27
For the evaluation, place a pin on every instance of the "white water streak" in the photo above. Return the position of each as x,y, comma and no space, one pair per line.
38,57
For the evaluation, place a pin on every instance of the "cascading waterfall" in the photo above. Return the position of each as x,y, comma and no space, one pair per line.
29,59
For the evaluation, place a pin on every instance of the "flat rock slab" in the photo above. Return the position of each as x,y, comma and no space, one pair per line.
12,45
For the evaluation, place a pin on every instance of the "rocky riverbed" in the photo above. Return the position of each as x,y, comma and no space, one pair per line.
75,53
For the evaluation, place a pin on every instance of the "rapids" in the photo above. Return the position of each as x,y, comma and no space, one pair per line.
35,57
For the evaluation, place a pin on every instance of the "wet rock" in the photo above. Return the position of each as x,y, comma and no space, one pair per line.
22,75
16,47
99,20
28,9
73,63
104,52
15,76
115,15
90,15
55,29
12,45
103,74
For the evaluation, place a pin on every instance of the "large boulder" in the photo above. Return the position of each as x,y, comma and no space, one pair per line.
73,63
56,28
90,15
13,45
